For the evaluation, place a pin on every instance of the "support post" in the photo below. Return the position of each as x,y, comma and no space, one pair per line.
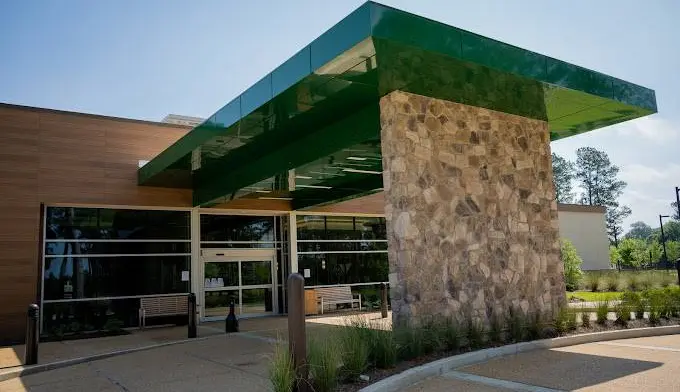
31,355
297,338
192,315
383,300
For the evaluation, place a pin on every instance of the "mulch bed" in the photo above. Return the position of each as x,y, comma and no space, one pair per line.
376,375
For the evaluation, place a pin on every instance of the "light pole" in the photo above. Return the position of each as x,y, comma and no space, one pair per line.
677,199
663,240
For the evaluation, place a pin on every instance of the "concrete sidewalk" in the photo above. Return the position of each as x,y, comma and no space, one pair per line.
649,364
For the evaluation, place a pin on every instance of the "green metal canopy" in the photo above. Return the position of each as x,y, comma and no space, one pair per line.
309,131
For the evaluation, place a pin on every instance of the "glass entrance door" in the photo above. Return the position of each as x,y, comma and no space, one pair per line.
244,277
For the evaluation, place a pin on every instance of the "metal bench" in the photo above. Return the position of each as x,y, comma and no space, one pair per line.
162,306
336,296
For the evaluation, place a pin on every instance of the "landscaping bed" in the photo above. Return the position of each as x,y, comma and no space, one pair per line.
341,361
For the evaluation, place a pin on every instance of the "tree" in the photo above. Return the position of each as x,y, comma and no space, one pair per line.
601,187
598,178
673,250
676,212
671,231
614,219
563,175
639,230
614,256
572,264
632,252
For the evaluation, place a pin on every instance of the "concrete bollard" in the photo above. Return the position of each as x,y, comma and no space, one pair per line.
383,300
32,336
191,298
297,338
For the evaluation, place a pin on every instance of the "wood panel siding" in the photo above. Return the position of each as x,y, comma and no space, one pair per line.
51,157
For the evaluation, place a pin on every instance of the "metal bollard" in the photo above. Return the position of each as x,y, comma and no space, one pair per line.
297,338
191,299
383,300
31,355
231,322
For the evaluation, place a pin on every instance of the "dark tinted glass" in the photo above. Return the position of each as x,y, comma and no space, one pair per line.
345,268
256,272
100,223
340,228
85,248
90,277
236,228
62,319
341,246
220,274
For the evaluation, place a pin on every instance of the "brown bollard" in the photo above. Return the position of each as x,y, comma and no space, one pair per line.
297,338
383,300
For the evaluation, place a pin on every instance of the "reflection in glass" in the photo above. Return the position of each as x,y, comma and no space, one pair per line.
221,274
256,272
312,227
348,268
104,223
91,277
257,301
100,248
217,303
237,228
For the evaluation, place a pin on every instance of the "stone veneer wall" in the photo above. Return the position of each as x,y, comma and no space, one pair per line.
471,218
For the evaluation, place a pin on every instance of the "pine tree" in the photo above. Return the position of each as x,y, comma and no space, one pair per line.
563,175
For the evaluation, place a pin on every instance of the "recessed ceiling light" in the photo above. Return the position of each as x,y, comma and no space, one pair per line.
304,177
141,163
313,186
276,198
262,191
357,158
361,171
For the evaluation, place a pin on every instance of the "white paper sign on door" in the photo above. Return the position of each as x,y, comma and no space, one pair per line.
307,273
185,276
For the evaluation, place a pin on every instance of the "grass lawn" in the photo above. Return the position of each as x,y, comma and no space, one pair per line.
594,297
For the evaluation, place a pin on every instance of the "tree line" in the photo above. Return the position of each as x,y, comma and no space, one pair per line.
598,183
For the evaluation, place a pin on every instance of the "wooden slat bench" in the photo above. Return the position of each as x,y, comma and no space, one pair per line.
162,306
337,295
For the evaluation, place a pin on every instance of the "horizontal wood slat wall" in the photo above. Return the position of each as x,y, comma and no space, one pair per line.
60,157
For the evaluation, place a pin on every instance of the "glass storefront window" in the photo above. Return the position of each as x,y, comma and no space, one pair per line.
217,303
63,248
256,273
228,228
101,223
221,274
347,268
93,277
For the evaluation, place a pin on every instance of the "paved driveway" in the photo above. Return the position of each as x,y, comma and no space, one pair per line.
644,364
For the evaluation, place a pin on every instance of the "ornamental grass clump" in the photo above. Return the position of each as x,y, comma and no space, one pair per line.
281,372
355,343
324,358
475,331
634,301
451,335
594,281
585,319
601,312
515,324
495,329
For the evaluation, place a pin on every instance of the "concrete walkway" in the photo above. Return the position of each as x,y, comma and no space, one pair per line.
644,364
236,362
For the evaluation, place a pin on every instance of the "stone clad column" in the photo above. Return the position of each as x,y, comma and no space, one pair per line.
471,217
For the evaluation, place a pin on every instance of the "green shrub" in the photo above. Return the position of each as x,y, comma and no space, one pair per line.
515,324
410,342
383,351
585,319
560,321
495,329
572,320
534,327
355,342
601,312
633,282
622,311
281,372
474,332
324,360
634,301
655,303
572,265
451,335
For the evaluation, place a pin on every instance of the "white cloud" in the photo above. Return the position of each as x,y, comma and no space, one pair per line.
653,128
649,191
636,173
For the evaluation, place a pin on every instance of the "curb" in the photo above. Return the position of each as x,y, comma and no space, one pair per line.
26,370
411,376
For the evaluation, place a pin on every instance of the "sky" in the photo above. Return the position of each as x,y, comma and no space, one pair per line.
146,59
